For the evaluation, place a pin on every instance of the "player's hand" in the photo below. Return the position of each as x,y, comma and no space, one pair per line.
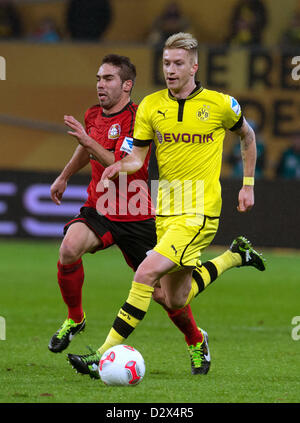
111,172
57,190
246,199
78,130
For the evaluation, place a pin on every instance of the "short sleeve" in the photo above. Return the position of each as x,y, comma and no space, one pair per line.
232,113
143,131
123,147
125,141
90,116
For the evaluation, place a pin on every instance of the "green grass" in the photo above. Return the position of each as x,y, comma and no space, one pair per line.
246,313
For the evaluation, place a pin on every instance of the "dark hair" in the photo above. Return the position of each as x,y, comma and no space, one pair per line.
127,69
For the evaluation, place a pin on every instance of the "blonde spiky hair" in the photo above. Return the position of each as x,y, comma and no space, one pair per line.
185,41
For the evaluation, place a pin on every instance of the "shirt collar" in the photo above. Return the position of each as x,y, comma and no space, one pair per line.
195,92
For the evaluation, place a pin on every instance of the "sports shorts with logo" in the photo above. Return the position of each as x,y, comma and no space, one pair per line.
183,238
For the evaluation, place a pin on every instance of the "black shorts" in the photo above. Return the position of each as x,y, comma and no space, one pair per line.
133,238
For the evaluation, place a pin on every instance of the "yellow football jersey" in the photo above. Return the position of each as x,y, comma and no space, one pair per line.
188,135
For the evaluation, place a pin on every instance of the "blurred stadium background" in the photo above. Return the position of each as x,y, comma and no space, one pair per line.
45,80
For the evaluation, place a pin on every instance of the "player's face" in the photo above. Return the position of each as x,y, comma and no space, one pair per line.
109,86
179,69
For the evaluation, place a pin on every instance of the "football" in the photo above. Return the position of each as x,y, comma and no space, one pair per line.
122,365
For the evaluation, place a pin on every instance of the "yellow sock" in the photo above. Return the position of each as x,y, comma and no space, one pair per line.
193,292
226,261
140,295
209,271
129,316
113,338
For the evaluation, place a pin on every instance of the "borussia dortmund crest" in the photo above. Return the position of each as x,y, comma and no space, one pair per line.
203,113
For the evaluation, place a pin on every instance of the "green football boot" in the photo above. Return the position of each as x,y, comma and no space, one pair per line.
86,364
250,257
62,338
200,356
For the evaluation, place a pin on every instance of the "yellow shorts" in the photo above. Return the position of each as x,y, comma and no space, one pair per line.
183,238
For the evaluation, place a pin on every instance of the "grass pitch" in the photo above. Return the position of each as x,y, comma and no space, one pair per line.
247,314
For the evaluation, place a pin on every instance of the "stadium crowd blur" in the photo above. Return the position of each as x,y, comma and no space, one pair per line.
169,22
248,22
89,20
10,21
85,20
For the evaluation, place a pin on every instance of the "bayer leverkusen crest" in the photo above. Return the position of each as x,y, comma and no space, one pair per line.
114,131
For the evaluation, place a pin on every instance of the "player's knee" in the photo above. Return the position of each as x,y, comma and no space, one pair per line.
69,252
159,296
146,275
174,303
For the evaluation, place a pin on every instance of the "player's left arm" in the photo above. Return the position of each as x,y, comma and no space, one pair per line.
105,157
248,152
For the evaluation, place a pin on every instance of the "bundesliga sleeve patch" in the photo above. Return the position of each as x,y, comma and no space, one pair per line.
127,145
235,106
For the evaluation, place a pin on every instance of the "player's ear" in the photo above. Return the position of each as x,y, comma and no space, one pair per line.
127,85
194,69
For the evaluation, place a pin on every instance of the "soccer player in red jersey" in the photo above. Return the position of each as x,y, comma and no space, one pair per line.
105,221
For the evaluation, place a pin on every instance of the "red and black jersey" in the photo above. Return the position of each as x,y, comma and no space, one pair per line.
127,198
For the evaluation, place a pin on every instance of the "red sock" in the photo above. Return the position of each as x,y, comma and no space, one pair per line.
70,279
184,320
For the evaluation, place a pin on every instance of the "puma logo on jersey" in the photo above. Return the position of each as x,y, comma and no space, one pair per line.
162,113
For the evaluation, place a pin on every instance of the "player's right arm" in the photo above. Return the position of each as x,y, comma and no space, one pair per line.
78,161
142,138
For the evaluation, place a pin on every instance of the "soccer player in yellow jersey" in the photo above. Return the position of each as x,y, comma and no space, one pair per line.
188,124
